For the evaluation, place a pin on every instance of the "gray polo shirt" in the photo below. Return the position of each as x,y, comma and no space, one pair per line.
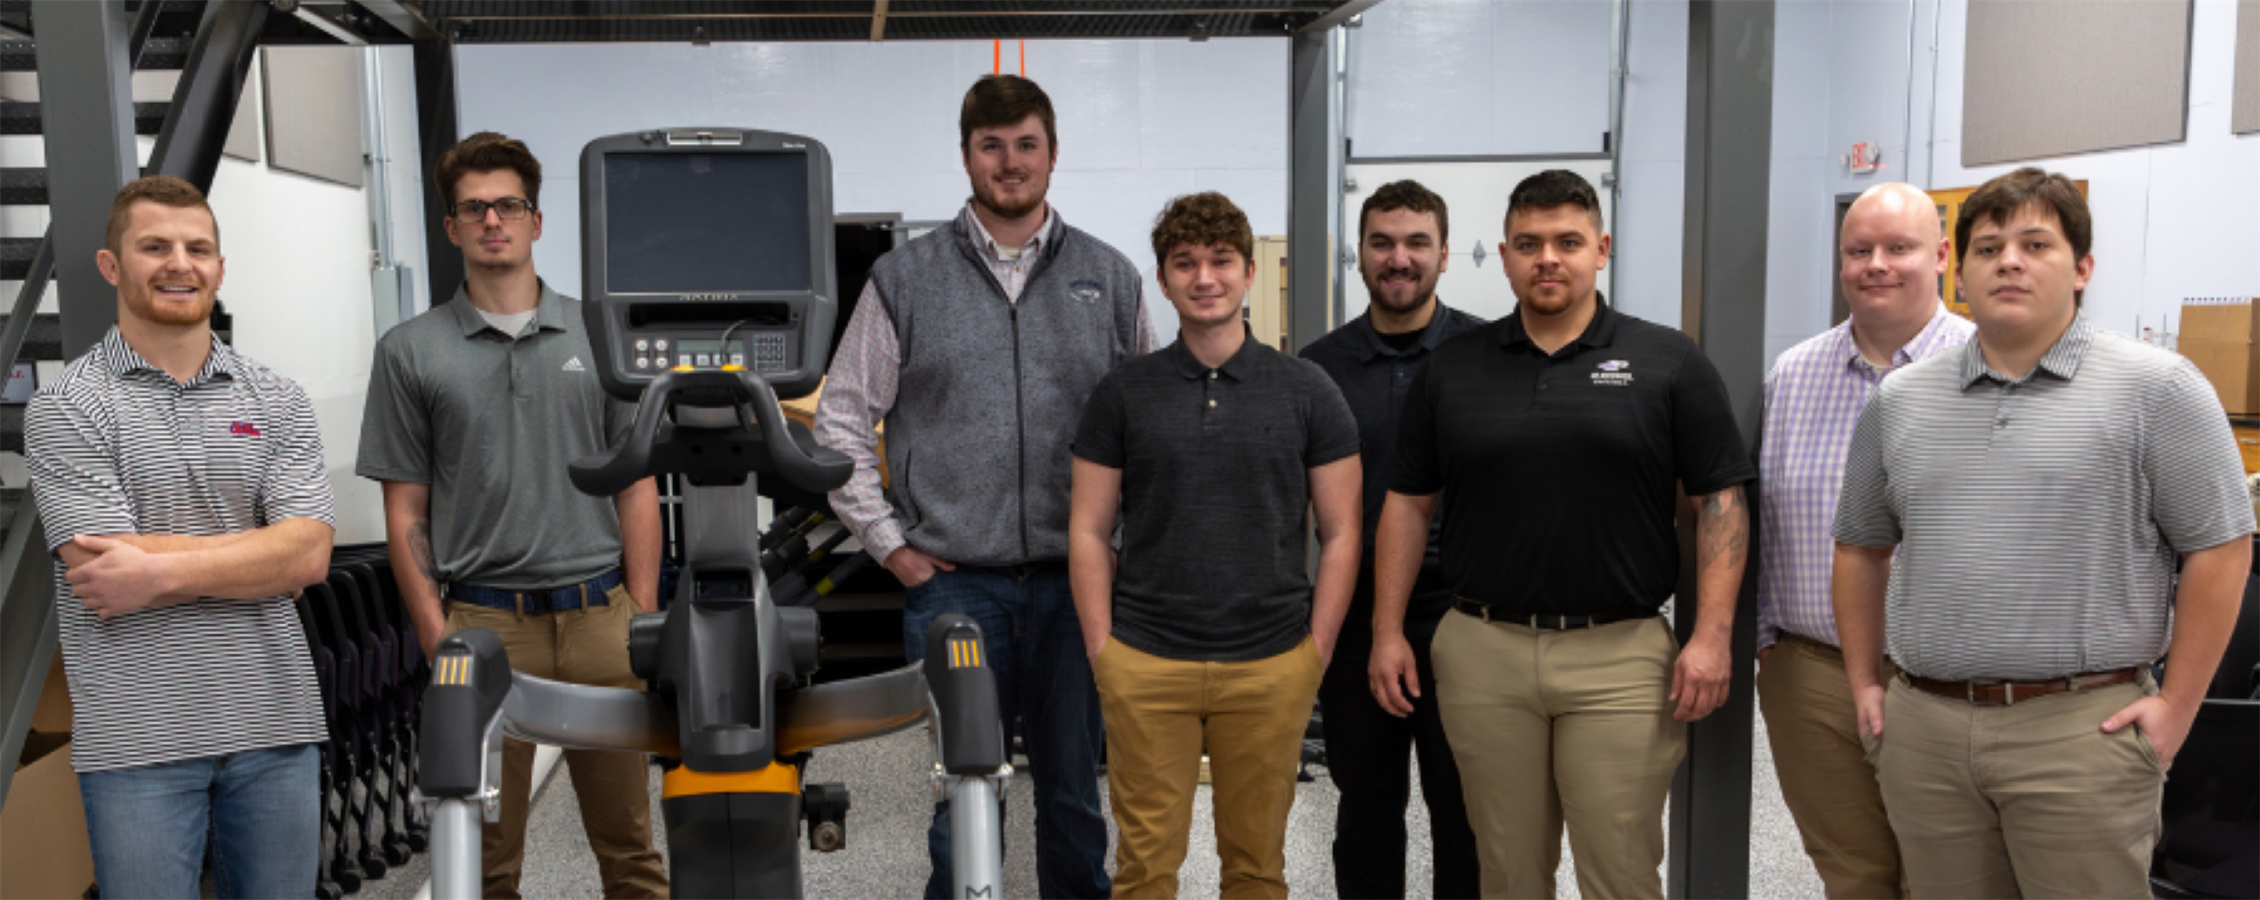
1215,490
2038,519
489,421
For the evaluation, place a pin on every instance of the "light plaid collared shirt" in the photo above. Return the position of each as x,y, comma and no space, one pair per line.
1814,396
868,365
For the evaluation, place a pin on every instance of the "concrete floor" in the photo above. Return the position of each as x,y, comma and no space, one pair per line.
886,852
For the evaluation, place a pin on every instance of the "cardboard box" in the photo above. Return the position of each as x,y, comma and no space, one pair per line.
43,848
2220,338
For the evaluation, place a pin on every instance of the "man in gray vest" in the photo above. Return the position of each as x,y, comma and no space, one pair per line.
976,346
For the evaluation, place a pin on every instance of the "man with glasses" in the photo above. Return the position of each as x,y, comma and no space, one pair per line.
474,408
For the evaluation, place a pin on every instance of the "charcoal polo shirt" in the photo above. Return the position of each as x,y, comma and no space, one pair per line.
1375,378
1215,488
489,421
1562,469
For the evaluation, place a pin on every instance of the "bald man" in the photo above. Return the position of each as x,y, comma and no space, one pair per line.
1890,258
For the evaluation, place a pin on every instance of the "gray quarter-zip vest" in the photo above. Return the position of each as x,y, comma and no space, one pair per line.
991,391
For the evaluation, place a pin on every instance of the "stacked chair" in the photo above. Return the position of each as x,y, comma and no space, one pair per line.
372,673
2210,846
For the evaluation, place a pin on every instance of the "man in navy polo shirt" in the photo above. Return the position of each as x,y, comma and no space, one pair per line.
1206,630
1563,434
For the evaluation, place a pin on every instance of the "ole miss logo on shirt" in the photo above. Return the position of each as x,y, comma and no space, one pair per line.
243,428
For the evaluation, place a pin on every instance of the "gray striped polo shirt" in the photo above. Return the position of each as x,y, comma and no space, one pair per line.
116,446
2037,519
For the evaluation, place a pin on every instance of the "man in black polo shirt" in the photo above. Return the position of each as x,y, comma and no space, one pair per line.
1372,726
1206,630
1562,434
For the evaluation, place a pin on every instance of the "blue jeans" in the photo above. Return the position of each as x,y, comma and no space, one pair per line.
148,824
1035,644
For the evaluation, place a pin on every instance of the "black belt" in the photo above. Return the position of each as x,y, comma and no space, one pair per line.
571,596
1543,621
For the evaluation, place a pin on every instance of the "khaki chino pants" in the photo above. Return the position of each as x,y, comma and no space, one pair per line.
1562,726
2027,800
1159,714
1823,766
581,646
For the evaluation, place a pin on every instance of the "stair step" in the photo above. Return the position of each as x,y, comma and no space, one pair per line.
11,429
23,186
45,340
17,117
15,258
162,53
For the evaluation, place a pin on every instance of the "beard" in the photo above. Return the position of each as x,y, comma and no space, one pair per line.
145,305
1422,293
988,201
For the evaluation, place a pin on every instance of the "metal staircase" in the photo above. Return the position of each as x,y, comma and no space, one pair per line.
214,55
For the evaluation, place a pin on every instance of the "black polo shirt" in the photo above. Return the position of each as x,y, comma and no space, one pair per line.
1562,469
1215,490
1375,378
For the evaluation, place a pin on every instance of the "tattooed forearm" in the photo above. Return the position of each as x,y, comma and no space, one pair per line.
1723,531
420,546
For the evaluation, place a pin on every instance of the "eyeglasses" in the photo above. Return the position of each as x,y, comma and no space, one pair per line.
472,212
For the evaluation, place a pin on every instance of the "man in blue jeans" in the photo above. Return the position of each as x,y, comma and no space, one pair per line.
183,490
976,346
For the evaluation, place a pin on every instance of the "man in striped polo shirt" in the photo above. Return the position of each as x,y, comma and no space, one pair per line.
2037,486
183,489
1892,252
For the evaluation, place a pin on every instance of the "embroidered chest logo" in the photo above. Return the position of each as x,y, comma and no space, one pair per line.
1614,373
1086,291
574,365
245,429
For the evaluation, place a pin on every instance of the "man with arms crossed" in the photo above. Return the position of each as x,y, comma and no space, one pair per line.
2037,485
1892,253
1562,434
1372,727
976,346
1209,633
474,409
183,489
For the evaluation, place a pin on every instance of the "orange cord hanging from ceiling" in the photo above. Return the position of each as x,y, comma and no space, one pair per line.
1023,59
996,67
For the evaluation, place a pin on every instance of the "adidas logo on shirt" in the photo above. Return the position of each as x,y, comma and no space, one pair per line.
574,365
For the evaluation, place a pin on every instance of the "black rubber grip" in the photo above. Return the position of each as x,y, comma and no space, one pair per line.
965,692
470,679
763,440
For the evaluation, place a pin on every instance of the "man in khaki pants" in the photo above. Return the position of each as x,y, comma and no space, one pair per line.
1562,434
1891,253
474,409
2012,512
1216,450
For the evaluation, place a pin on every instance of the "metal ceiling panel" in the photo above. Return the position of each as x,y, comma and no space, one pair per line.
696,21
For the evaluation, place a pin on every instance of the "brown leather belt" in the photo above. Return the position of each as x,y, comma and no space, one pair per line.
1990,692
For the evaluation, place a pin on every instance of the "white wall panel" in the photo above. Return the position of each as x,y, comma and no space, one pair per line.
1652,203
1481,78
1139,121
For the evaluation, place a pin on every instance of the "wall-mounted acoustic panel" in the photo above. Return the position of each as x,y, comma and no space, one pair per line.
2244,114
2072,76
243,133
314,111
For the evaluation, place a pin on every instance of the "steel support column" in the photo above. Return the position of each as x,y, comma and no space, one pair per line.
1314,185
210,88
86,104
1729,139
436,127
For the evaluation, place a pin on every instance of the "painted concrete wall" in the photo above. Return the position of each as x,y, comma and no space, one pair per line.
2171,221
1139,122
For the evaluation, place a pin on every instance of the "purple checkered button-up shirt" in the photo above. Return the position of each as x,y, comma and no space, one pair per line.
1814,396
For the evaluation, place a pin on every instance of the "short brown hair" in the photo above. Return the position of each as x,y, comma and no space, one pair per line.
996,101
487,151
1406,194
163,190
1997,200
1206,219
1552,188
